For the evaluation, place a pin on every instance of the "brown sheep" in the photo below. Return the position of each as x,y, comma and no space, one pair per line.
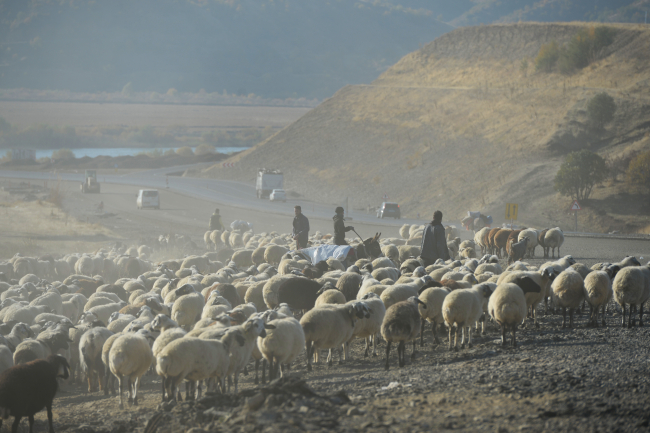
512,237
492,246
451,285
500,241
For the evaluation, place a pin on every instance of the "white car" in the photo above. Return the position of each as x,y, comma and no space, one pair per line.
278,195
147,198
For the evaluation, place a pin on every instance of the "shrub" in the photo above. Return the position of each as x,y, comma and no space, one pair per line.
638,172
618,165
62,154
204,149
547,57
579,173
184,151
601,109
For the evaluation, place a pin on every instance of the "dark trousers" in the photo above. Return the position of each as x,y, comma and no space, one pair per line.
301,243
427,262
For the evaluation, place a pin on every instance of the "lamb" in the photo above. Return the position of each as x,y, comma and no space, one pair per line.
401,325
518,250
90,356
282,344
369,327
129,358
598,292
192,359
26,389
328,328
568,292
462,308
246,336
554,238
433,297
507,307
632,286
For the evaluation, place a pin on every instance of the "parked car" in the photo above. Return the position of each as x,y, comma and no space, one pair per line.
389,210
278,195
147,198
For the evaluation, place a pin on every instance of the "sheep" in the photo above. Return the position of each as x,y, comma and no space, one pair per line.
632,286
453,247
349,284
401,292
26,389
19,332
26,314
246,336
328,328
300,293
282,344
501,241
535,285
90,355
369,327
129,358
46,344
532,236
462,308
518,250
433,297
274,253
192,359
188,307
51,299
554,238
568,292
507,306
598,292
103,312
331,296
117,322
401,324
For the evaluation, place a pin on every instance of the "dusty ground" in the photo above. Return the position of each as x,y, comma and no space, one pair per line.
556,380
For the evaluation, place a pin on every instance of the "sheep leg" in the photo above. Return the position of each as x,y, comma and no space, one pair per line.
341,351
49,416
503,335
602,315
330,358
367,351
469,336
434,331
31,423
101,376
514,338
630,316
271,370
387,353
90,380
400,353
374,345
121,381
623,321
164,382
257,366
422,333
130,385
236,374
564,317
136,386
571,317
309,354
641,315
450,335
264,371
413,354
14,426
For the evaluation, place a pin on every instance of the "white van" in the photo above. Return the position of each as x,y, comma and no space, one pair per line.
147,198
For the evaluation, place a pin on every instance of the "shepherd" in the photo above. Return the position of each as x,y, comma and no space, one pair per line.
300,231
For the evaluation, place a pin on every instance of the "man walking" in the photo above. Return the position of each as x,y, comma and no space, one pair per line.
215,221
339,227
434,244
300,228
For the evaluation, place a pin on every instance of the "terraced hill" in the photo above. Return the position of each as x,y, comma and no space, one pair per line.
463,124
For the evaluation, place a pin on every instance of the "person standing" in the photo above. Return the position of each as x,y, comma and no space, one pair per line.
339,227
434,244
215,221
300,228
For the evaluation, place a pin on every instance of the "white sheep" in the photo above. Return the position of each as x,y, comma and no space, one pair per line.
51,299
507,306
187,310
462,308
568,292
283,342
129,358
632,286
535,285
598,292
242,339
553,239
103,312
369,327
433,297
401,292
331,296
90,356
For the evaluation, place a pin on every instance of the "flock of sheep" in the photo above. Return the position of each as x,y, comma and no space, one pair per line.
202,319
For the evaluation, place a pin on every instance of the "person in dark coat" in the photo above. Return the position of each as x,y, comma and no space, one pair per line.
434,244
215,221
340,228
300,231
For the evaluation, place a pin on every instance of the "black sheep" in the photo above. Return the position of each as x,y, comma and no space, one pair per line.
299,293
229,292
28,388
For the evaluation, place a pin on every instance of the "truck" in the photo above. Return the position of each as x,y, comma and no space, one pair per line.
267,181
90,183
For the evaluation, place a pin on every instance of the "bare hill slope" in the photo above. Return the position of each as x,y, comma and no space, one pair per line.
461,124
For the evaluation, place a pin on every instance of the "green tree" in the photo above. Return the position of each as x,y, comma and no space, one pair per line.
579,173
204,149
184,151
638,172
547,57
62,154
601,109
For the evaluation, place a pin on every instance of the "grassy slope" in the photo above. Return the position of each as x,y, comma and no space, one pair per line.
458,125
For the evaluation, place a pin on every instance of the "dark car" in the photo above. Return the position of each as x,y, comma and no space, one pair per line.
388,210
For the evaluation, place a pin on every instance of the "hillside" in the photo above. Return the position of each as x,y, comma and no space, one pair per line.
270,48
461,125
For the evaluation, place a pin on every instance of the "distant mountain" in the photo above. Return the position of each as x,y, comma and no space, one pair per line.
272,48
